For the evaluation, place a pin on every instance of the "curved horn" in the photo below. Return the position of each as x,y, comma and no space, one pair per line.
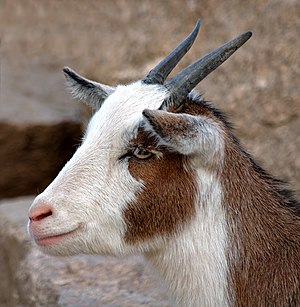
181,84
159,74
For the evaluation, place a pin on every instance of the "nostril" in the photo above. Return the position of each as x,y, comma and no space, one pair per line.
40,213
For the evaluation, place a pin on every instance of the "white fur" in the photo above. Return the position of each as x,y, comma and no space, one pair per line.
93,188
193,265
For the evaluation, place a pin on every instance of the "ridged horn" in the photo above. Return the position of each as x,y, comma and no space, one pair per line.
181,84
160,72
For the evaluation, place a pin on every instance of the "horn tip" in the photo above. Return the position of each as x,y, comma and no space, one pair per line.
240,40
197,26
246,35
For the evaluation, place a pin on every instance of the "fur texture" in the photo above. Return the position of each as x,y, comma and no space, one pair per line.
176,186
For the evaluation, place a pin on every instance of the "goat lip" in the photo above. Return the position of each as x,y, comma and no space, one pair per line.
53,239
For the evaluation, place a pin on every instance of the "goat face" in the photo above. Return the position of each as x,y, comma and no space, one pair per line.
132,183
91,192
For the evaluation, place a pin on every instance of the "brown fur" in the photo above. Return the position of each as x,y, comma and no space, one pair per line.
265,250
263,217
168,199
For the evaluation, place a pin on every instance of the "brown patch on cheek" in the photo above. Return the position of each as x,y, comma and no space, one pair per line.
168,200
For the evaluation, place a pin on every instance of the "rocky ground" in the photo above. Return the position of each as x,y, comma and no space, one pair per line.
120,41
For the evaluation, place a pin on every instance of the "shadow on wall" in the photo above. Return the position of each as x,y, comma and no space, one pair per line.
33,155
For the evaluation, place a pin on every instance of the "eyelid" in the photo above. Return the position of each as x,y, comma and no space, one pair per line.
131,151
142,154
151,149
127,154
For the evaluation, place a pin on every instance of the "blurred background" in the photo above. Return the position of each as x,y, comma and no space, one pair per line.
118,42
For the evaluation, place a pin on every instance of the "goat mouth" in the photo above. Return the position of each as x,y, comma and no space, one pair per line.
55,239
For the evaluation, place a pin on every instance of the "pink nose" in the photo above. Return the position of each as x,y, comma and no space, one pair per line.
41,212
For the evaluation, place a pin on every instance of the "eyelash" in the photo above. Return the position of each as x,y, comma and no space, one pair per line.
142,154
134,153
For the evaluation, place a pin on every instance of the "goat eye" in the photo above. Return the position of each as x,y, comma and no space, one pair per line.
142,153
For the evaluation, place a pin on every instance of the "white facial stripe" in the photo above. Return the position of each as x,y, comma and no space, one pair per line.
94,186
125,106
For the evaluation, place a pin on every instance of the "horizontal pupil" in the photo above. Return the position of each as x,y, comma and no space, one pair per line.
143,152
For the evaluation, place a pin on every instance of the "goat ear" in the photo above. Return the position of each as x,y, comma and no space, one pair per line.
92,93
187,134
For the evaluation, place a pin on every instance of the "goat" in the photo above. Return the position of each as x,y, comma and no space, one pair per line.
160,173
